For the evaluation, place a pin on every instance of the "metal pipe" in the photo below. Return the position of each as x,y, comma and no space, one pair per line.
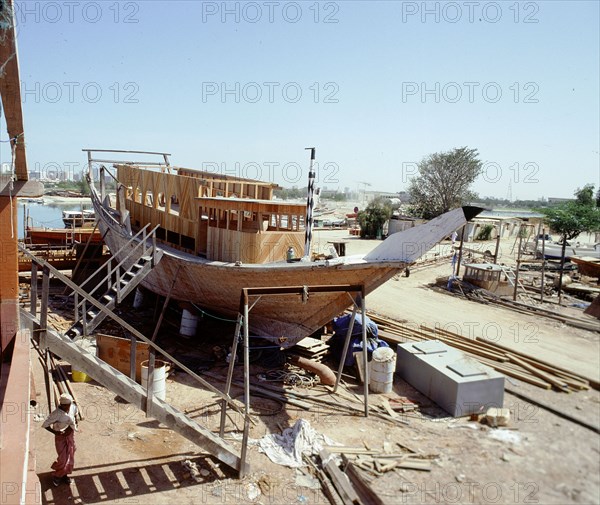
232,358
345,351
246,392
363,308
308,222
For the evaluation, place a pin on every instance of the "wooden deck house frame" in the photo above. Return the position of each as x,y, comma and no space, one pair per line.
250,231
226,185
198,213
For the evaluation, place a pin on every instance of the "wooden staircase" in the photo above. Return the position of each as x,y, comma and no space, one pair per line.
129,280
121,279
135,394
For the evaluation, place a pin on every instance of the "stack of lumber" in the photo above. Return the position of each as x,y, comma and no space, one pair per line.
506,361
310,348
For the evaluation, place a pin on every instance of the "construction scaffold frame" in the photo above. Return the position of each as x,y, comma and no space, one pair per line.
243,322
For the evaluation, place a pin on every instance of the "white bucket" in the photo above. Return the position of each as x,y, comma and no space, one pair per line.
381,372
159,384
189,322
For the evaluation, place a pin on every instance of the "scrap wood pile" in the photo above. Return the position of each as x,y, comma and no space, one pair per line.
484,296
506,361
346,485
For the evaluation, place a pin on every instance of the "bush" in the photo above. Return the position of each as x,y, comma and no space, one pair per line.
372,219
485,233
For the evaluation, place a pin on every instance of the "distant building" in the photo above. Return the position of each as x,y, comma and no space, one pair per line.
554,199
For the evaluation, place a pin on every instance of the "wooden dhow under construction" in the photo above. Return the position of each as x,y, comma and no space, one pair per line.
218,235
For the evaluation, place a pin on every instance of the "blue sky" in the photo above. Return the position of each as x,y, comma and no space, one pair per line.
244,87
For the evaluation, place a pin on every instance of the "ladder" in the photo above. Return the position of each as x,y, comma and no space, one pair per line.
121,279
512,278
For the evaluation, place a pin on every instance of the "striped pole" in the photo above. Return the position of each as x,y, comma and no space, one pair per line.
308,222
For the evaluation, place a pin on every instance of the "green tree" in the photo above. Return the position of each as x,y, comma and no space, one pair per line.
443,182
372,219
570,219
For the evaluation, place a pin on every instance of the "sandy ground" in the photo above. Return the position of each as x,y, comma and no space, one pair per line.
124,458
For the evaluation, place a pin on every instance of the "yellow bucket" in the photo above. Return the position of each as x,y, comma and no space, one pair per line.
80,376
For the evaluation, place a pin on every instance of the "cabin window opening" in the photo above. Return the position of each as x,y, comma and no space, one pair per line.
172,237
188,242
161,233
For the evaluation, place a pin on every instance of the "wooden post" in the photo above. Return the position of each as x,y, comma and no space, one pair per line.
497,244
150,382
460,249
363,308
543,263
345,351
102,183
76,309
232,358
44,307
34,289
562,268
246,390
132,351
518,264
84,318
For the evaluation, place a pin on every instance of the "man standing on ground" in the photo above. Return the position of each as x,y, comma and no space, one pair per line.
61,422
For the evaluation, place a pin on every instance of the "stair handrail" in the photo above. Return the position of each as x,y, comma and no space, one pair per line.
65,280
118,265
101,267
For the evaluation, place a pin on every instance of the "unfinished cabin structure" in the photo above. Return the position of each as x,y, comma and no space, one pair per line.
213,216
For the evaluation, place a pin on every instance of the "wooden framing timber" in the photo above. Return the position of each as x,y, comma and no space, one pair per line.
21,189
221,219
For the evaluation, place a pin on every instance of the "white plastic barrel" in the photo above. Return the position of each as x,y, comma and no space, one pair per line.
159,384
189,322
381,373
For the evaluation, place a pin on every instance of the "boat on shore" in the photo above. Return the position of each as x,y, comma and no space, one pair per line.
220,234
553,250
61,236
587,265
78,218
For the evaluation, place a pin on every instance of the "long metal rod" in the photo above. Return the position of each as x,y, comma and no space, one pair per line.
123,151
345,351
232,358
246,392
152,356
365,353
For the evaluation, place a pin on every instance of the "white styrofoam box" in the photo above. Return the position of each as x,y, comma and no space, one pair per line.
457,383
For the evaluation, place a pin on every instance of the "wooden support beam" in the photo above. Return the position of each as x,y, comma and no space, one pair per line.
21,189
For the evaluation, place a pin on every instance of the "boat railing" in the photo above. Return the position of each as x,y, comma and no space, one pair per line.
113,273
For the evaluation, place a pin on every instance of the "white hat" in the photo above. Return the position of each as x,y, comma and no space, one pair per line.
65,399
